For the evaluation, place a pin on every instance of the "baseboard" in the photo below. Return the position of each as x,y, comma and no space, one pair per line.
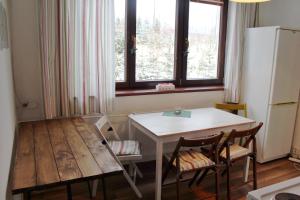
9,195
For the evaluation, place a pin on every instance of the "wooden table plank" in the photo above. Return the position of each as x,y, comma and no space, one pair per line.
45,163
104,159
85,160
24,174
66,163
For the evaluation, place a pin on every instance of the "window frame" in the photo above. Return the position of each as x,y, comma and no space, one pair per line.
180,60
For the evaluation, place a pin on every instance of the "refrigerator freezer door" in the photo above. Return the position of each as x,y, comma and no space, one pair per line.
286,68
279,131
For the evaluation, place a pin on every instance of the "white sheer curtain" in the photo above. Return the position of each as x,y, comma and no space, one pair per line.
240,17
77,51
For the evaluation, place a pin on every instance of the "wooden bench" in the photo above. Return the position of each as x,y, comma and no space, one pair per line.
59,152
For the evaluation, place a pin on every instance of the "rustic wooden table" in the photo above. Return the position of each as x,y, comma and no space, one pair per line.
59,152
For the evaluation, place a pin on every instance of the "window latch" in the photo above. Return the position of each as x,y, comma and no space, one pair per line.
186,46
133,41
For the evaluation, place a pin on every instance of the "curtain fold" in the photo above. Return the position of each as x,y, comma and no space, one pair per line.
77,55
240,17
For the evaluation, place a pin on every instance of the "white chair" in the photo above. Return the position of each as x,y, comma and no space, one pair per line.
125,151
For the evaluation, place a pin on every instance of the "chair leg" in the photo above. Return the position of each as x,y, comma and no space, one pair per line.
217,183
165,174
104,188
134,174
194,178
177,183
202,176
254,173
130,169
228,181
224,172
69,191
138,171
132,185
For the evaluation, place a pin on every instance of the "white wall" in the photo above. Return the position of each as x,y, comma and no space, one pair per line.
26,63
7,116
285,13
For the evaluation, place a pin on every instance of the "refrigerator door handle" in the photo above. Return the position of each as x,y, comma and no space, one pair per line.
286,103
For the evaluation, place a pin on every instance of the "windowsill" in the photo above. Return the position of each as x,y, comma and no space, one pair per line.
138,92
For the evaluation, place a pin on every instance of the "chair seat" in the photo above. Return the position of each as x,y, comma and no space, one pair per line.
236,151
125,147
191,160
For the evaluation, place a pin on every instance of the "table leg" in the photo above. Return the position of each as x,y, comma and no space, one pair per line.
104,188
69,192
25,196
158,174
247,162
246,168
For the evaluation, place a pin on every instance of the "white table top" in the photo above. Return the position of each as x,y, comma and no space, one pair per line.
269,192
201,119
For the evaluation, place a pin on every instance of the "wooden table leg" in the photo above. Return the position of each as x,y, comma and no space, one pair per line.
27,195
158,174
69,191
104,188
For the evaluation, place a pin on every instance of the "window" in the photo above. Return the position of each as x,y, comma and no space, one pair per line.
204,25
120,28
155,40
177,41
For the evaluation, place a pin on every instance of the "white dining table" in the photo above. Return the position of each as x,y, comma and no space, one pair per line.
166,129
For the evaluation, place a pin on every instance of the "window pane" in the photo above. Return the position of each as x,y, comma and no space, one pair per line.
204,25
120,40
155,33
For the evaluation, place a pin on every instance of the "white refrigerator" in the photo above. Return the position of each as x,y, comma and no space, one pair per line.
270,87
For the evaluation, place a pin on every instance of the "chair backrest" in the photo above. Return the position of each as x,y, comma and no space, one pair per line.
211,141
232,107
106,129
249,134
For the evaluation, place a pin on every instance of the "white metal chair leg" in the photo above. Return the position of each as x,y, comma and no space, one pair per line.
134,175
138,171
246,169
129,180
94,188
131,169
132,185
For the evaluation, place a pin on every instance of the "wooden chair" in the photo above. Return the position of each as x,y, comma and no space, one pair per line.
191,160
234,109
124,151
230,152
